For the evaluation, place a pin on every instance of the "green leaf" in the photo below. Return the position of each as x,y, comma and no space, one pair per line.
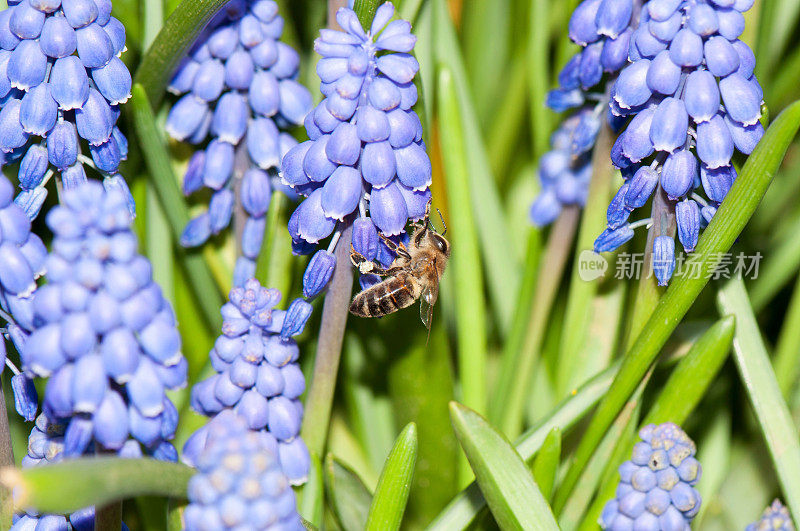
165,184
463,509
54,489
365,9
764,392
312,493
786,366
171,44
545,464
349,497
500,251
470,305
727,224
274,264
508,486
391,494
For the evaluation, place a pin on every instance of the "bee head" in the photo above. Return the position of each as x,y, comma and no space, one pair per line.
439,242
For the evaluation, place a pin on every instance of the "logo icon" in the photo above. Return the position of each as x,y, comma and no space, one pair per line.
591,265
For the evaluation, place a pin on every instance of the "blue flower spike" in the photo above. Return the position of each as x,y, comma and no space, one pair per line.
63,80
365,158
656,490
104,335
603,29
238,86
776,517
694,102
258,376
239,483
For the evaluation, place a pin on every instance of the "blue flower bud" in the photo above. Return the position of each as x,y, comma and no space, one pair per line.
239,70
615,52
113,81
94,119
255,192
404,128
561,100
662,9
663,76
687,215
16,275
582,25
312,224
193,178
78,436
747,59
641,187
644,45
686,49
341,192
26,65
717,182
742,101
318,273
591,71
721,57
701,96
388,210
69,83
252,237
111,422
33,167
196,232
545,209
218,164
617,212
613,17
186,117
116,32
635,141
365,238
263,143
703,19
679,173
31,201
25,21
26,400
745,137
296,317
714,143
79,13
220,209
665,30
611,239
731,23
669,126
106,156
631,88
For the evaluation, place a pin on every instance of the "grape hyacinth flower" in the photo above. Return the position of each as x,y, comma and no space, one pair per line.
46,445
656,489
257,374
239,86
603,29
775,518
104,336
239,483
365,158
61,80
694,100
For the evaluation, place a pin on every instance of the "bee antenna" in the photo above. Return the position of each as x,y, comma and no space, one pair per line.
444,225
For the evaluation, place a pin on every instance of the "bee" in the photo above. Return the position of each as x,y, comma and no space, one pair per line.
414,274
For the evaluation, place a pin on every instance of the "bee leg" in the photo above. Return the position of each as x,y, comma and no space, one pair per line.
397,248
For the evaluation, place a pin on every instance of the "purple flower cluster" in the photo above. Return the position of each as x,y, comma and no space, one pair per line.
46,445
22,260
694,100
656,490
603,29
365,155
238,86
257,374
61,80
239,483
104,335
776,517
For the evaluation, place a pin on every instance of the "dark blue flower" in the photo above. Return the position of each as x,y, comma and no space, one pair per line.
103,333
61,78
656,489
694,100
238,86
257,373
365,157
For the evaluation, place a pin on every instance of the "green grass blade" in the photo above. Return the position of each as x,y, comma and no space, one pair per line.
539,76
274,264
500,251
786,367
714,452
391,494
310,502
470,305
172,42
508,486
730,219
762,388
165,184
349,498
365,9
545,464
462,510
54,489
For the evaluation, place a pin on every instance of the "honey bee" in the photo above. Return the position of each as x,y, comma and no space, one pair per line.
414,274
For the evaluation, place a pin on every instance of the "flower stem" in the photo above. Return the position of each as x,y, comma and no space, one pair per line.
6,459
329,348
109,517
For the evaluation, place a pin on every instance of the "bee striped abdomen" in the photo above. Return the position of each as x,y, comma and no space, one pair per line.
386,297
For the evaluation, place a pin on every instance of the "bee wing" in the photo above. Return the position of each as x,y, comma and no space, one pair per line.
426,302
